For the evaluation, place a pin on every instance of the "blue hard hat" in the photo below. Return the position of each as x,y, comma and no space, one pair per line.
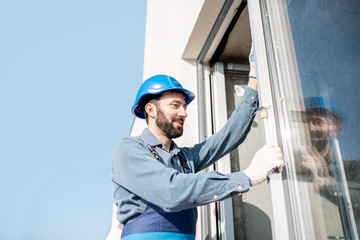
323,103
317,102
156,85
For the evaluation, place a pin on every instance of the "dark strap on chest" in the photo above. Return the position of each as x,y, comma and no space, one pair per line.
156,155
184,164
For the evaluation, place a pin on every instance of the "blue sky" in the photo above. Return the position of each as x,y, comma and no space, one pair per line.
69,72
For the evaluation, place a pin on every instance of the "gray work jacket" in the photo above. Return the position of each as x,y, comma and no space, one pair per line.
138,177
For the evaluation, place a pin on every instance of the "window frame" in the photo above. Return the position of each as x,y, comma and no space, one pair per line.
282,221
276,65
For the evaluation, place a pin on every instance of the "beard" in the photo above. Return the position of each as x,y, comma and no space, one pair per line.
319,140
166,125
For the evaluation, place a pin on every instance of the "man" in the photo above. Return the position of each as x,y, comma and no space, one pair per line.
158,185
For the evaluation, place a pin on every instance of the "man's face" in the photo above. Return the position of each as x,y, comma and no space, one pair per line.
321,129
171,114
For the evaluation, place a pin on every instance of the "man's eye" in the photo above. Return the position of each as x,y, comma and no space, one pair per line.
319,122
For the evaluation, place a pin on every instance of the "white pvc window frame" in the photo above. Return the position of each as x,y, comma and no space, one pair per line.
293,217
216,95
208,213
226,222
217,217
211,82
281,221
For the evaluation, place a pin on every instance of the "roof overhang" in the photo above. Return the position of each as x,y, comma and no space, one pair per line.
223,29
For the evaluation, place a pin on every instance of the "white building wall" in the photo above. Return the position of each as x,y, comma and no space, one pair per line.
168,28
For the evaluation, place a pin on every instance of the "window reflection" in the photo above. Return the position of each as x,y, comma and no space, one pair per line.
322,165
326,40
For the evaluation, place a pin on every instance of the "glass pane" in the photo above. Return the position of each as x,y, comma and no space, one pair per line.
322,110
252,209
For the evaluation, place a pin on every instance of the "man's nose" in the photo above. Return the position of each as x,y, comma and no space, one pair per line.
312,126
182,112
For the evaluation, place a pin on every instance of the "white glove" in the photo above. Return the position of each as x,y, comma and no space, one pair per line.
266,160
252,72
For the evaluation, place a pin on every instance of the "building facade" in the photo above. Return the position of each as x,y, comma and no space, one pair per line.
307,57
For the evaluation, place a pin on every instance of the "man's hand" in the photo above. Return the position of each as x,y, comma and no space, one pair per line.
311,166
252,74
266,160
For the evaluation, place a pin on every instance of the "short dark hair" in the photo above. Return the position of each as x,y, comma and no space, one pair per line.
149,98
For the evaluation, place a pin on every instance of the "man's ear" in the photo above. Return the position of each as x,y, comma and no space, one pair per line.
150,109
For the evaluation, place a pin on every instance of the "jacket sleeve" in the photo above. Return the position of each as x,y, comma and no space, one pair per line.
229,137
135,169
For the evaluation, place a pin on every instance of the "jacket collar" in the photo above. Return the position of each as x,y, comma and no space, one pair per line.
153,141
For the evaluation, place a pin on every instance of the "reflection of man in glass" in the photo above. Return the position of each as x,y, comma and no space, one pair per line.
323,124
322,163
314,161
